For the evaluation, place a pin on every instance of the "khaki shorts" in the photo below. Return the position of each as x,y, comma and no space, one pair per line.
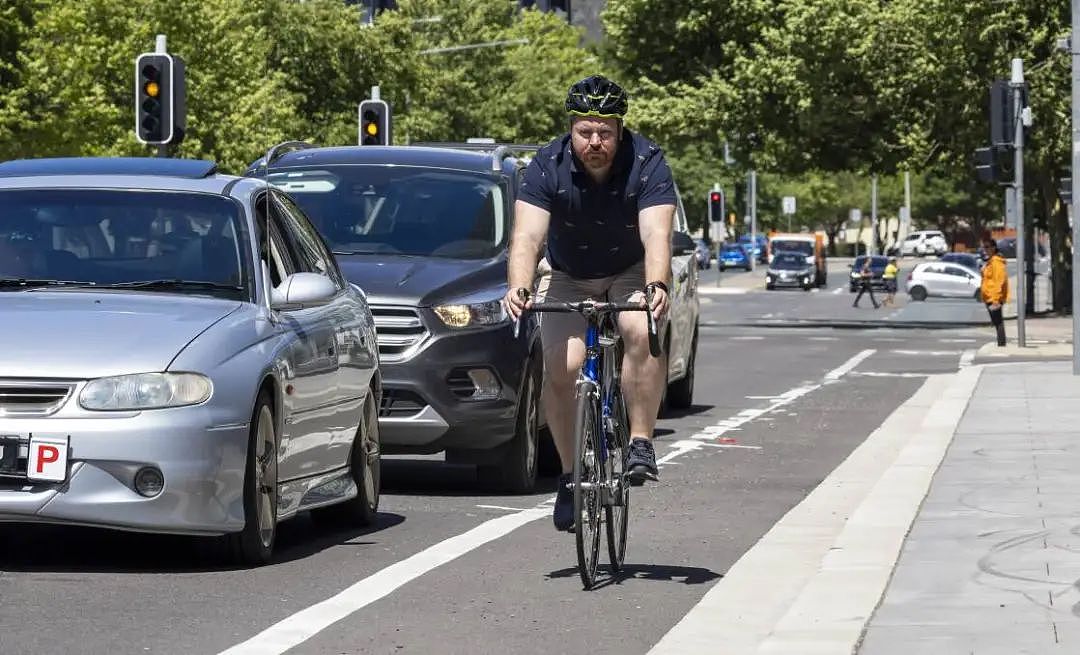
558,328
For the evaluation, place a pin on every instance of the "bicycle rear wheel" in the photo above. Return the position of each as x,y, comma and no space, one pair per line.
617,514
588,478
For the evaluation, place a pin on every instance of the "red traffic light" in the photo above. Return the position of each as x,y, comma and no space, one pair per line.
715,196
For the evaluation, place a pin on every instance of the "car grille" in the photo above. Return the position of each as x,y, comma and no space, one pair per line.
400,332
461,385
399,403
13,458
23,398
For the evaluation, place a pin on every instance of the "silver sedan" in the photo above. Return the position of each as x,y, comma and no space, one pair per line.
175,360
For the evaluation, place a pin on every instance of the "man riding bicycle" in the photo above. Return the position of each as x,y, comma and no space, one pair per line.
603,199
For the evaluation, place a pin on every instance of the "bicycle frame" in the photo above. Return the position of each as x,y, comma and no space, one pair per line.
596,377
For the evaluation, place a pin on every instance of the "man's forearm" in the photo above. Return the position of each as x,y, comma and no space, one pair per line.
524,255
658,259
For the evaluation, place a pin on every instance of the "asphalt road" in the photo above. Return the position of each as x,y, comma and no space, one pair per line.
451,570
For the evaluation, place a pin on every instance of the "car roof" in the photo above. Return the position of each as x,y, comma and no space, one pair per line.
449,158
115,173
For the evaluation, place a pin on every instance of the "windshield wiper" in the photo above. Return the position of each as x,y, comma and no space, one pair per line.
173,284
28,283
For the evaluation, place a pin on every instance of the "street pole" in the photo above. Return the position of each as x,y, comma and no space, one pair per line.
753,218
873,216
1075,182
1017,83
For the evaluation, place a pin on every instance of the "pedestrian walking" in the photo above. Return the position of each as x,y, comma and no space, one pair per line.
995,287
889,277
866,278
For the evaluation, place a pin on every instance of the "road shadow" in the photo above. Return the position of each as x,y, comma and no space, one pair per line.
687,575
412,477
70,549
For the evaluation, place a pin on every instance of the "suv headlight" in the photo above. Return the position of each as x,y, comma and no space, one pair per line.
463,316
145,391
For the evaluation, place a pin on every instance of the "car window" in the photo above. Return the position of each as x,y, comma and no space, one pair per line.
406,210
280,261
113,236
307,244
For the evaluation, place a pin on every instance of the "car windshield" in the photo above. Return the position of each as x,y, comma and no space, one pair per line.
875,262
804,247
789,261
733,248
122,237
402,210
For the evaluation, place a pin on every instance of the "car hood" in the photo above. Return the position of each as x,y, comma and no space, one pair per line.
81,334
420,281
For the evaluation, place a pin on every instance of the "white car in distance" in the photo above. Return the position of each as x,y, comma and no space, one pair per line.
924,242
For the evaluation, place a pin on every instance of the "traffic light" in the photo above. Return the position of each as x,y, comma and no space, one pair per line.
374,123
160,107
716,206
995,164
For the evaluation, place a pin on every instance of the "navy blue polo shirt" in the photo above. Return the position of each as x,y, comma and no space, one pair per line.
594,227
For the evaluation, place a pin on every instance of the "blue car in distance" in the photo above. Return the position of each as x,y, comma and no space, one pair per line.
760,246
733,255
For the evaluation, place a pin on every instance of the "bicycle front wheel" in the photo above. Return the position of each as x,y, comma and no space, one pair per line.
588,479
617,513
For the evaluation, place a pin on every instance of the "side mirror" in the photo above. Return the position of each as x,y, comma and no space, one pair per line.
302,289
682,244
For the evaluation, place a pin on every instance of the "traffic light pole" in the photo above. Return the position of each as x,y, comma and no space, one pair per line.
1017,84
753,219
1075,54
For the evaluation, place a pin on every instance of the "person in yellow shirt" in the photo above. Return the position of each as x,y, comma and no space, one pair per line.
889,277
995,287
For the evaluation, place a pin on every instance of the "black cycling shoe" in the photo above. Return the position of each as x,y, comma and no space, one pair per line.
563,516
641,462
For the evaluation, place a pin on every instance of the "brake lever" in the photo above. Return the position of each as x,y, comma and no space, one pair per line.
524,295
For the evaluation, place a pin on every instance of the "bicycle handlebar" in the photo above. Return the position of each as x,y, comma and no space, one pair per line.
601,308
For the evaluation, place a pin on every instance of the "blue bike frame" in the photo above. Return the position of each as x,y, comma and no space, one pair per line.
591,376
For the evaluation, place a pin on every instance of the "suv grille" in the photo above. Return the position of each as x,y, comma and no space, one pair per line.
27,398
400,331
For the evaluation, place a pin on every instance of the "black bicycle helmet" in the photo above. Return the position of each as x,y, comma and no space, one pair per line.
597,96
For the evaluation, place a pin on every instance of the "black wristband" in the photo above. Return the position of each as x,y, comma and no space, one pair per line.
658,285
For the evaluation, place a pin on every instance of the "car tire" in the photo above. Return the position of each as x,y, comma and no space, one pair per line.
852,289
365,468
722,268
917,293
254,545
769,287
748,268
516,472
680,394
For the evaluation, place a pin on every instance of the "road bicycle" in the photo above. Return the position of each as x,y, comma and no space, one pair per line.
602,432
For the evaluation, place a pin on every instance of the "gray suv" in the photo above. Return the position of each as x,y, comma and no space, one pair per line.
424,232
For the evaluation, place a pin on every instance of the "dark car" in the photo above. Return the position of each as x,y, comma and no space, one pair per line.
424,231
877,271
789,269
965,259
760,246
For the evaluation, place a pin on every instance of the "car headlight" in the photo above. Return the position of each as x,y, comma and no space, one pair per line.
462,316
145,391
855,275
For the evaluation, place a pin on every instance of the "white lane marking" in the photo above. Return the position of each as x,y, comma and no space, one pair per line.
508,509
748,338
305,624
838,290
298,628
958,340
849,365
967,357
716,430
824,338
887,339
761,397
925,353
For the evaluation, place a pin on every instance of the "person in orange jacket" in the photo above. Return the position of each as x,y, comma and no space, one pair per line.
995,287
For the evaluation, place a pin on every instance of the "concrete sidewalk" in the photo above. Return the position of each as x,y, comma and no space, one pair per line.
1048,338
992,562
